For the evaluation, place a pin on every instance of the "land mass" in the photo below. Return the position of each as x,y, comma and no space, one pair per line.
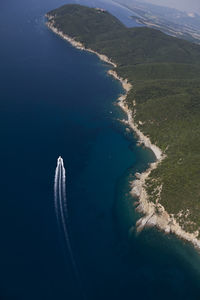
169,20
161,76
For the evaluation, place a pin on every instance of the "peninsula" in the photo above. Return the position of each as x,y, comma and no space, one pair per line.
161,76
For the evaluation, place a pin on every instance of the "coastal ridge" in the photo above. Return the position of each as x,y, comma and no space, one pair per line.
149,188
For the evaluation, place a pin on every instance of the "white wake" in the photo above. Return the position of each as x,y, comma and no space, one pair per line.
61,209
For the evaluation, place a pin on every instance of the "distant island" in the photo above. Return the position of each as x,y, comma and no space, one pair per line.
161,77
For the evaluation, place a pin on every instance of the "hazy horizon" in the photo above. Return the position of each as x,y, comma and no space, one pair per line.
185,5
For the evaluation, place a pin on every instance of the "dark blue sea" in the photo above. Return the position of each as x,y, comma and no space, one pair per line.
56,100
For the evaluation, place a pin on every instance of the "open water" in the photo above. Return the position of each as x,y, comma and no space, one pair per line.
56,100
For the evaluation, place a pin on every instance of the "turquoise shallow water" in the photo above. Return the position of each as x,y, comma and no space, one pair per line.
56,100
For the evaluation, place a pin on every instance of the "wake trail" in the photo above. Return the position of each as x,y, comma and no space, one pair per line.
61,209
55,193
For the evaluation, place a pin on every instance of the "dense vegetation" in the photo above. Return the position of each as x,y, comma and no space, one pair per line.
165,73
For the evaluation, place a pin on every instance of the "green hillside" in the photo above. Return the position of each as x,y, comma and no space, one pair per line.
165,74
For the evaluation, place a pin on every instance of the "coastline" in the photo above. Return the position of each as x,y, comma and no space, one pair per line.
154,215
76,44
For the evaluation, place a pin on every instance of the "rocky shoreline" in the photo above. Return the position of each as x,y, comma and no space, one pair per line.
154,214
